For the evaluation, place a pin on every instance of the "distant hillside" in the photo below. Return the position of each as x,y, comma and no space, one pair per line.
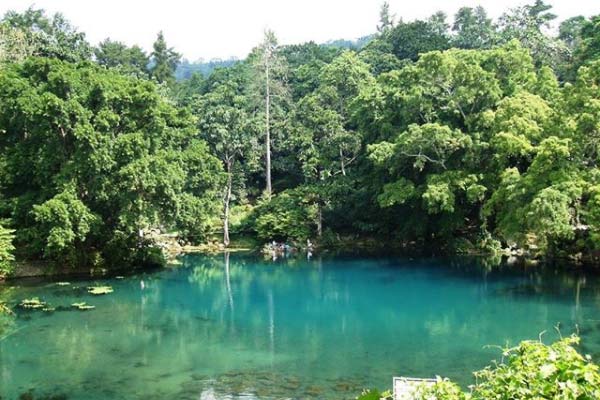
187,68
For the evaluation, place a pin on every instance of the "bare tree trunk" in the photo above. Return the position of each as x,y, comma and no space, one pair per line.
226,202
319,219
342,162
268,130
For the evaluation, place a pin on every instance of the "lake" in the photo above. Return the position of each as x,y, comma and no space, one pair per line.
240,327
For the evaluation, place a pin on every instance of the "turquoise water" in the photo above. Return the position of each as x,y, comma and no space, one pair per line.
233,327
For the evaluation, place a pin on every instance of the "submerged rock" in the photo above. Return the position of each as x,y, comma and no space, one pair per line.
27,395
313,391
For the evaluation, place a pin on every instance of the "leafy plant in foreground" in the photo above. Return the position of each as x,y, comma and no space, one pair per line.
531,370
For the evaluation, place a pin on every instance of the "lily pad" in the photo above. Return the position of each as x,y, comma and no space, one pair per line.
5,310
33,304
83,306
98,290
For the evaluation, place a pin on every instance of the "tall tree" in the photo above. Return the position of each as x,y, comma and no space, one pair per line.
409,39
164,61
15,44
570,29
386,18
327,142
527,24
473,29
131,60
270,76
228,128
587,48
49,36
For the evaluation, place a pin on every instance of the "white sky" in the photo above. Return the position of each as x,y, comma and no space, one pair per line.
224,28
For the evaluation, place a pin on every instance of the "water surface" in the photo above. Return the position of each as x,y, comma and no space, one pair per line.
233,327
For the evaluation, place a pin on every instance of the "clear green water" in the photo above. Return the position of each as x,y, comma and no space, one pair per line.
297,329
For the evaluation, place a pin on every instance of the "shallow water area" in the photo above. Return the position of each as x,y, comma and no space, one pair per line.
236,326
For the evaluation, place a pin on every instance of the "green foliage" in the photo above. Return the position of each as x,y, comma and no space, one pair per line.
374,395
63,225
33,33
556,371
226,124
411,39
460,135
587,42
526,24
14,44
164,61
6,251
130,60
92,159
442,389
290,215
536,208
325,141
473,29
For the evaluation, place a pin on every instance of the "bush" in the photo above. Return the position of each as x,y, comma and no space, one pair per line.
442,389
287,216
537,371
6,251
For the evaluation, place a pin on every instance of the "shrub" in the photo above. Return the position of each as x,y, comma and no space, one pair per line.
287,216
6,251
442,389
537,371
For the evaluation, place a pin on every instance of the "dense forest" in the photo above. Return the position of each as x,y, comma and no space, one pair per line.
462,134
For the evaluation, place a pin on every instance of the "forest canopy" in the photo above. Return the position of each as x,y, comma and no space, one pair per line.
462,134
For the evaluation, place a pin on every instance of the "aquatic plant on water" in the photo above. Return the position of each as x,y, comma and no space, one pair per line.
5,310
99,290
83,306
33,304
